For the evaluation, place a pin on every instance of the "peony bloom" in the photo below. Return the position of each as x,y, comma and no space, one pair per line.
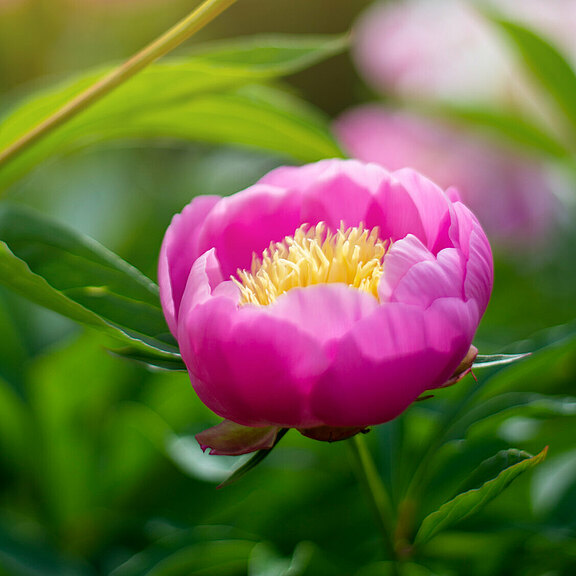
512,194
324,297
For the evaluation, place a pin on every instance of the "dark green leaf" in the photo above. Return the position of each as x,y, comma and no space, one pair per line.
20,557
216,558
78,278
513,403
472,501
153,358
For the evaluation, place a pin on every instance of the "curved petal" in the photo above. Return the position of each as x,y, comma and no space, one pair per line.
413,275
178,252
246,364
470,239
433,206
246,223
325,311
386,361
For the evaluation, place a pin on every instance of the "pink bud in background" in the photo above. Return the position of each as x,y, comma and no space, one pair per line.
325,297
511,194
446,49
422,49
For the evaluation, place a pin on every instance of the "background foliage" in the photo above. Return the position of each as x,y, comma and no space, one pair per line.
99,471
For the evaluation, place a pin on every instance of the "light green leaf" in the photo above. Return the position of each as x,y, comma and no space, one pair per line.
507,126
493,466
546,64
75,276
256,116
264,561
497,360
472,501
160,101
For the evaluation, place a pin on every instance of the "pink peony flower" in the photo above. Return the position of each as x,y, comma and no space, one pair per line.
326,297
511,194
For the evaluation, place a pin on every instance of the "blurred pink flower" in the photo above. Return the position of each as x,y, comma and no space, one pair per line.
511,194
329,295
445,49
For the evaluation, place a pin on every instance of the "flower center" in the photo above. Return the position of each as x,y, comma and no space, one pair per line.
315,255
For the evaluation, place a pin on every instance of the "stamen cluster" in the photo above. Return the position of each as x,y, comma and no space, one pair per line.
315,255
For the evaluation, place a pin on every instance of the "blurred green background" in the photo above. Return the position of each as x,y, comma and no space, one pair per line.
99,471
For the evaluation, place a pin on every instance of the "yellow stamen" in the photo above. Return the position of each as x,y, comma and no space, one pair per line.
315,255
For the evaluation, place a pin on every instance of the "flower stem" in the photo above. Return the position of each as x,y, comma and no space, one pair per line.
171,39
380,500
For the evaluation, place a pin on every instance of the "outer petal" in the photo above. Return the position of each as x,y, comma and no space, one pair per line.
247,365
178,253
257,365
385,362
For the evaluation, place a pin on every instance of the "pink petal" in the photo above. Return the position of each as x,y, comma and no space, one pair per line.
249,366
469,238
413,275
246,224
178,253
386,361
325,311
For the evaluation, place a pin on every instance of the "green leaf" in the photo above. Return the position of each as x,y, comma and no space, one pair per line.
505,125
497,360
257,116
15,426
153,358
31,557
168,99
218,558
265,561
207,551
266,56
546,64
513,403
75,276
493,466
472,501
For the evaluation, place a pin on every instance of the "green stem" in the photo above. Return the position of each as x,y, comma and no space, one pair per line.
196,20
380,500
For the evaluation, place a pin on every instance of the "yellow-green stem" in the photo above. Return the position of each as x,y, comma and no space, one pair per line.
179,33
380,500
